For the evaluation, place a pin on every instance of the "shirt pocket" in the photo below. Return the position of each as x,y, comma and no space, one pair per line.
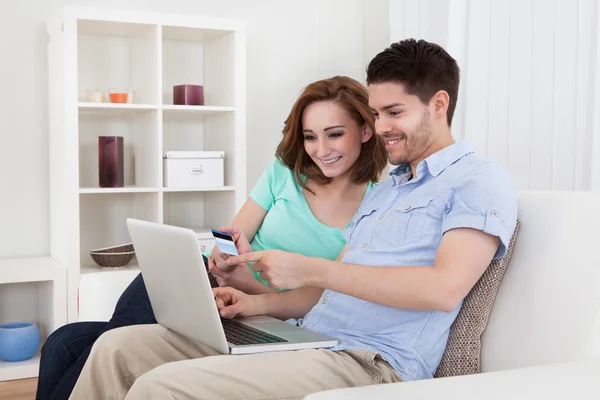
407,221
360,221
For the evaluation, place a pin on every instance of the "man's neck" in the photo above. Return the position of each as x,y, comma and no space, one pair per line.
440,144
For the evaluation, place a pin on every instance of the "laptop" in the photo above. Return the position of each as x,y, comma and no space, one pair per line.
182,299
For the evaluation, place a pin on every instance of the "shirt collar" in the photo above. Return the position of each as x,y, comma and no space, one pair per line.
437,162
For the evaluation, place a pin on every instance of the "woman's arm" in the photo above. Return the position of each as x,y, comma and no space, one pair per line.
248,220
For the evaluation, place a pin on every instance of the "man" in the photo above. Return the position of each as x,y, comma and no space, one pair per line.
417,245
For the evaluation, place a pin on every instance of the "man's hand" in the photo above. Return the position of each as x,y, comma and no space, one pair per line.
281,269
232,303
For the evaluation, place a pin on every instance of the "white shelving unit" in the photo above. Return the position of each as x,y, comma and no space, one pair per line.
92,48
20,370
31,289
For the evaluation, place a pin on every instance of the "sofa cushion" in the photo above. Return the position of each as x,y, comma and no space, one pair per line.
463,351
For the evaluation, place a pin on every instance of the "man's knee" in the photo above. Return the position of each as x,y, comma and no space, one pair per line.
182,377
157,382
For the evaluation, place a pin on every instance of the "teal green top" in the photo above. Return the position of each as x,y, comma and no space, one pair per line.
290,224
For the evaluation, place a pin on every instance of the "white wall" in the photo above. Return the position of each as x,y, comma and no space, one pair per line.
530,91
290,44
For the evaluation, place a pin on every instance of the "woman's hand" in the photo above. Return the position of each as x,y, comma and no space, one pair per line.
217,265
240,278
232,303
241,243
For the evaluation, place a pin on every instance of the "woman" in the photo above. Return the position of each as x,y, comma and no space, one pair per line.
328,160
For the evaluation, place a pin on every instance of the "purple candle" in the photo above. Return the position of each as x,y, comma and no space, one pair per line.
190,95
110,161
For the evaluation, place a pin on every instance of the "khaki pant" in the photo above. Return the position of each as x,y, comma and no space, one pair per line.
150,362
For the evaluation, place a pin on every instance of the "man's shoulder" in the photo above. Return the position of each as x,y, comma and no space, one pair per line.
479,170
480,184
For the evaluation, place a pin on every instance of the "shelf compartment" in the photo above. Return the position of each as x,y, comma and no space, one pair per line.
103,219
113,55
193,56
39,299
199,132
32,289
141,148
199,209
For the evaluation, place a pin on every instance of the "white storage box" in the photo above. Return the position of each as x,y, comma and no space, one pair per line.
193,168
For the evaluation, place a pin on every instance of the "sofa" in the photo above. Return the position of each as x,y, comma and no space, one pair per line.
543,335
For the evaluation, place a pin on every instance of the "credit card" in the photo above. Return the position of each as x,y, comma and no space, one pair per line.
225,243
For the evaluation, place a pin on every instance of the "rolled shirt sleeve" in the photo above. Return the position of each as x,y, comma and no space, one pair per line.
484,199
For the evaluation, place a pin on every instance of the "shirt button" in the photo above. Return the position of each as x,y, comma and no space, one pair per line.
324,301
381,217
494,213
364,245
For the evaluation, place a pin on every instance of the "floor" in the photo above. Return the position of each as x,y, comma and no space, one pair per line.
18,390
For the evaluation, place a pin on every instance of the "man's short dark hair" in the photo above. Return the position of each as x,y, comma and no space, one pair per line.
423,68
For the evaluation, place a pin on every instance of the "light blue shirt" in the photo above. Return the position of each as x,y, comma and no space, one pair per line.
401,223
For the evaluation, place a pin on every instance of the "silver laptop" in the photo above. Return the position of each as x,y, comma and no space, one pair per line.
182,299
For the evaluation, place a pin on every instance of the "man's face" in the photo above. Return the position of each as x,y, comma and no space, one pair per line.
402,120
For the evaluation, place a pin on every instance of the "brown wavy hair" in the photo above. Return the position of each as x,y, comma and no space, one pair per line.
354,98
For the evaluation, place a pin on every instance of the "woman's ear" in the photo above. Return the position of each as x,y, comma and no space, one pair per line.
366,133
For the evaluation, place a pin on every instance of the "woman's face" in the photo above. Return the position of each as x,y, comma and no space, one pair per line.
332,138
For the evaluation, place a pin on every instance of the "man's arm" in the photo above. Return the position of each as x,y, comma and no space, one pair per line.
462,257
295,303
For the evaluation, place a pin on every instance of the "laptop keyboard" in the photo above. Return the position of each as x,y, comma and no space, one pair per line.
240,334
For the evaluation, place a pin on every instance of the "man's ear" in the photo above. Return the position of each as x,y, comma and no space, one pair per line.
366,133
441,102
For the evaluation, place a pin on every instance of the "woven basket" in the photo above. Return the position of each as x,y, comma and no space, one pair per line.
113,257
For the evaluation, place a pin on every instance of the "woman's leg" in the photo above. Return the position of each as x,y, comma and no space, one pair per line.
62,349
133,308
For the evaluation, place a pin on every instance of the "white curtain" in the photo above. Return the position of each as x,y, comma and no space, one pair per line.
530,89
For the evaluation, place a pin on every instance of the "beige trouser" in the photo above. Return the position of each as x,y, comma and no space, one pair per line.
151,362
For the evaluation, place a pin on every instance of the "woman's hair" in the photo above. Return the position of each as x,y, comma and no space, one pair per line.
354,98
